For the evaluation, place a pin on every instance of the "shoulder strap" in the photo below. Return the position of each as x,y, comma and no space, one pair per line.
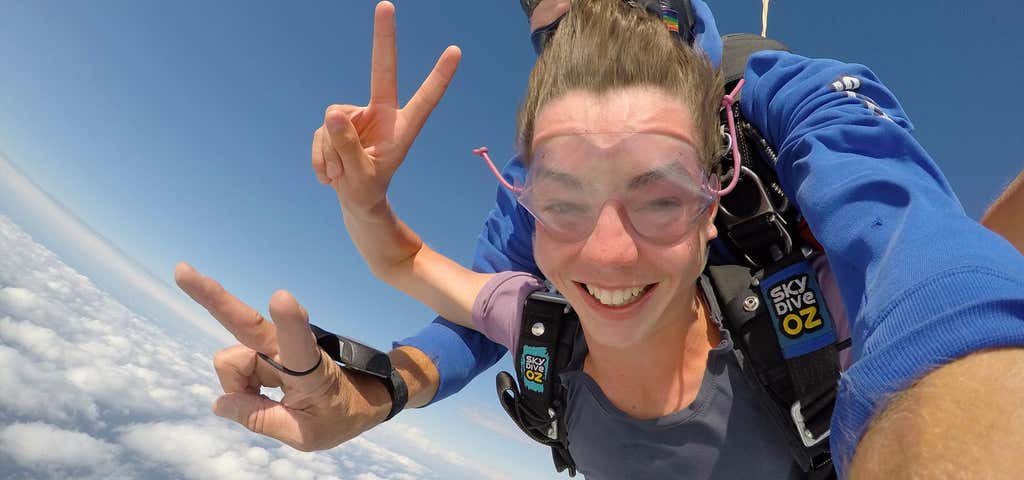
535,399
796,393
759,225
776,311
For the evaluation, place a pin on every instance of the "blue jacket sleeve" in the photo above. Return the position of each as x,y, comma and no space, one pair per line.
923,283
506,243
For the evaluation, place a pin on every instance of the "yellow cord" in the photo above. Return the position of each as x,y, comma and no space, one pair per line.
764,18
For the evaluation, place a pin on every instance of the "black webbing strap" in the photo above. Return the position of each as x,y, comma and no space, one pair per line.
745,314
756,218
807,340
537,348
738,47
814,376
535,403
763,239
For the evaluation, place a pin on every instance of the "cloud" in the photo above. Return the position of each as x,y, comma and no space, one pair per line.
92,390
40,443
413,438
210,449
501,425
38,391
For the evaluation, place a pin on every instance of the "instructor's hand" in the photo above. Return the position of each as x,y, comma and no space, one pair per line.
319,410
358,148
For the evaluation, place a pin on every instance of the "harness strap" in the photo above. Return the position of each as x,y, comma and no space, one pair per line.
803,327
759,224
535,399
539,347
778,383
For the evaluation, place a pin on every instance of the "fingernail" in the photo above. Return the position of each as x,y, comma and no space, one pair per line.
332,170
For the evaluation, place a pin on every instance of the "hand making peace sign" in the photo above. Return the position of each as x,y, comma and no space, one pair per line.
358,149
319,410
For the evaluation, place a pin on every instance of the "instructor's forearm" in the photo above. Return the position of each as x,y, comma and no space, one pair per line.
373,403
962,420
419,372
1006,215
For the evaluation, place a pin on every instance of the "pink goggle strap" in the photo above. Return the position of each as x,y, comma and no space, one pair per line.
727,103
482,151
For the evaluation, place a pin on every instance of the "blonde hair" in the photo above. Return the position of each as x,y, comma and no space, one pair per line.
606,45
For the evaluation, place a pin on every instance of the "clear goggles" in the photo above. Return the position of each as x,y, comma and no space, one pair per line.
653,182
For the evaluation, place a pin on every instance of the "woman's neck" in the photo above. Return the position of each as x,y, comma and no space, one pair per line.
662,374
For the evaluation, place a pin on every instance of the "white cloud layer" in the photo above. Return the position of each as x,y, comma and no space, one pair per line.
94,391
41,444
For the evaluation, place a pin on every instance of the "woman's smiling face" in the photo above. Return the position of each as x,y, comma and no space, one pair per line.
625,286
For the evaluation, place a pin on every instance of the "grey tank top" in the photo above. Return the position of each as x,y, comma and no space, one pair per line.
723,434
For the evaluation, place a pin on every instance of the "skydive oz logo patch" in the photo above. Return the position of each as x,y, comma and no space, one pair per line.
796,306
534,365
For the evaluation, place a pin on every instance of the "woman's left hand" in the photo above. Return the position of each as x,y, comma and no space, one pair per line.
358,148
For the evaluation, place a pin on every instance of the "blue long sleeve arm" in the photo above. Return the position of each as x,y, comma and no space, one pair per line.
923,283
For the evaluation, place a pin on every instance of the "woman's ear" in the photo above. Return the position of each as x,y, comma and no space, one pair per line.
710,230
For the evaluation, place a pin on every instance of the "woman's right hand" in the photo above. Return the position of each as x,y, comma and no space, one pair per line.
358,148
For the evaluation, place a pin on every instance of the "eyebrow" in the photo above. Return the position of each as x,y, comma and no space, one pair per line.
653,175
645,178
634,183
560,177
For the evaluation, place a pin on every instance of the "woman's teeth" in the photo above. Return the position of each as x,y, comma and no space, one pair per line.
617,298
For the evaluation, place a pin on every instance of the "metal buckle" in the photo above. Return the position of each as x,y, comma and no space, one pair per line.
766,211
805,435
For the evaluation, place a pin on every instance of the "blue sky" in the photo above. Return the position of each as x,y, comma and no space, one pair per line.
181,131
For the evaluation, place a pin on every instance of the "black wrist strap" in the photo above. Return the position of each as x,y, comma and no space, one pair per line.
355,356
399,393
